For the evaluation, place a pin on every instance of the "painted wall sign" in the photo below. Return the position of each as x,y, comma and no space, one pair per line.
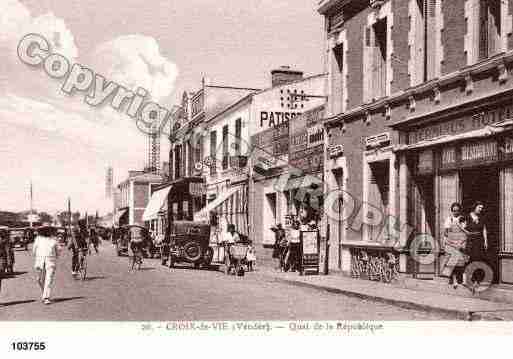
335,151
298,141
315,135
310,160
378,140
460,125
275,118
197,189
479,151
314,116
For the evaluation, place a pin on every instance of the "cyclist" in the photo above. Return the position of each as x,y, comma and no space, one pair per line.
136,244
78,246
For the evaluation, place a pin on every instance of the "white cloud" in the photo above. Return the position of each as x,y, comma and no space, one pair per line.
62,143
16,21
135,61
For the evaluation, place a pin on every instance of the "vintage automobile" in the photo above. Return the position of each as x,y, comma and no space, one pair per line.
122,237
189,243
19,237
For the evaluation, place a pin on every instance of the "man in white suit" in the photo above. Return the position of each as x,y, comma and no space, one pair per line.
46,252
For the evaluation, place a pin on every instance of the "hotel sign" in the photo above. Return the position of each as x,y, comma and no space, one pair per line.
460,125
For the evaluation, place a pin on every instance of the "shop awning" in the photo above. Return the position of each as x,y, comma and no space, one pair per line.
118,215
487,131
204,213
303,182
157,201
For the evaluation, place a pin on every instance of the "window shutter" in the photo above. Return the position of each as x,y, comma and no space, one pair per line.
431,8
483,29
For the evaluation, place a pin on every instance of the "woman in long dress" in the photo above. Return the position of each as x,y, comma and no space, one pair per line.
477,239
455,242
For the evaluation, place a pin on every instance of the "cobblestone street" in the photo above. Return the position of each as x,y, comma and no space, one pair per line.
111,292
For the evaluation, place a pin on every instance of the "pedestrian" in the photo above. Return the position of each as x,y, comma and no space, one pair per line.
292,258
4,242
455,238
279,236
45,252
251,256
477,243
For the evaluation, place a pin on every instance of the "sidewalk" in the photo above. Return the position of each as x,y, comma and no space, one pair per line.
459,303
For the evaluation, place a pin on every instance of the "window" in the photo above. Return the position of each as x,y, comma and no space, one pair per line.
225,147
171,165
238,135
178,160
213,147
190,158
338,78
376,59
489,28
423,49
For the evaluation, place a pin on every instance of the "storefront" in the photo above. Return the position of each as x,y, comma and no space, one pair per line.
461,157
287,182
155,214
227,204
186,197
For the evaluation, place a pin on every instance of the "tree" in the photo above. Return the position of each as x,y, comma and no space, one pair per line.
75,216
45,217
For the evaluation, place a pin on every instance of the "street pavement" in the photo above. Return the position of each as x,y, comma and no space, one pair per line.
157,293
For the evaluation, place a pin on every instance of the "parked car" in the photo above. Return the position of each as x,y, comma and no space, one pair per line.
19,238
189,243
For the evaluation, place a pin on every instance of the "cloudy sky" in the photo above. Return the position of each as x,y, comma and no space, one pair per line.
165,46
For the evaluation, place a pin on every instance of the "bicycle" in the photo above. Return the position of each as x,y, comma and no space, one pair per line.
135,261
82,264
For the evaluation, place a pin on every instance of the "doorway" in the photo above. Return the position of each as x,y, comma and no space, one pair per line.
482,184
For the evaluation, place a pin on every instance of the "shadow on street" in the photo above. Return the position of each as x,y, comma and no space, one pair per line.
16,302
59,300
95,278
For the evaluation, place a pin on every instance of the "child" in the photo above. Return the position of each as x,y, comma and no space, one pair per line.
251,257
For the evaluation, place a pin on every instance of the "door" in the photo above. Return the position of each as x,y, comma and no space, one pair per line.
482,184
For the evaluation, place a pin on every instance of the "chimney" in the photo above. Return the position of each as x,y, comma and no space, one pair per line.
284,75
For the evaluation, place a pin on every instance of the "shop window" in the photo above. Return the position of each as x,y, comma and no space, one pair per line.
489,28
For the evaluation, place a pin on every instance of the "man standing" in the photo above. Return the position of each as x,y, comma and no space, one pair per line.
45,251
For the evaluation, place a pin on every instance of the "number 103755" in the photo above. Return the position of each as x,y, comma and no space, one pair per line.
27,346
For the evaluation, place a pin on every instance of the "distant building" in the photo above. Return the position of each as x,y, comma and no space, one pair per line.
133,197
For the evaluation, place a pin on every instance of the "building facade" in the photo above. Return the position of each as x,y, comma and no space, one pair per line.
418,117
190,139
133,196
287,149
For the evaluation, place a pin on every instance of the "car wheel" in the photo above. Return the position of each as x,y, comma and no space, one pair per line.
192,251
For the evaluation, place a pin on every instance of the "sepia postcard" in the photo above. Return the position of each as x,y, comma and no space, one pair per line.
257,167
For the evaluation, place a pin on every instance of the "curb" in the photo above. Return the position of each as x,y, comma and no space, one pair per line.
458,314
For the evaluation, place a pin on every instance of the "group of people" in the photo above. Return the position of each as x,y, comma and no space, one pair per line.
466,241
46,251
287,243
